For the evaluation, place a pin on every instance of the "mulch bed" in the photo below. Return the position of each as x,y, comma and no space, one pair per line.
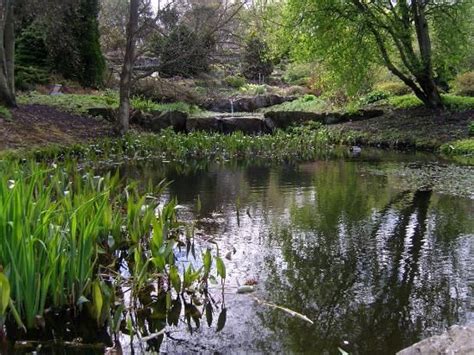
37,125
415,124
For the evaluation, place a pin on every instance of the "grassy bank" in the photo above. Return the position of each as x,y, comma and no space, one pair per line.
80,103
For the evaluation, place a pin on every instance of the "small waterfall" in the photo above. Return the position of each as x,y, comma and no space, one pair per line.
231,106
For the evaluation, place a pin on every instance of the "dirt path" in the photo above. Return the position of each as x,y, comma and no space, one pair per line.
37,125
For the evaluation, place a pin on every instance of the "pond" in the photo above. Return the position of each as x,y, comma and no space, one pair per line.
373,252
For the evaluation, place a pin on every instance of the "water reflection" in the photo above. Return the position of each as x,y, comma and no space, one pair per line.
375,267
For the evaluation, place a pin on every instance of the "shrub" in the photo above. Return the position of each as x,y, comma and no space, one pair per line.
253,89
394,88
184,52
373,96
464,84
235,81
298,74
452,102
5,113
27,77
405,101
256,64
458,103
460,147
471,129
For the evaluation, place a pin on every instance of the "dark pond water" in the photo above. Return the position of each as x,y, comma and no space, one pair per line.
376,251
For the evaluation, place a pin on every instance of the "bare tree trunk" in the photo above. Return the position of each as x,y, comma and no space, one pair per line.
127,69
7,54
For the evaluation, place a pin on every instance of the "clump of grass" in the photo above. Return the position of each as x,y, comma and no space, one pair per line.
253,89
5,113
452,102
459,147
80,104
307,103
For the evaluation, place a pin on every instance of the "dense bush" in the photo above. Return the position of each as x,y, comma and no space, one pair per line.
395,88
298,74
183,52
235,81
464,84
253,89
256,64
373,96
452,102
64,39
26,77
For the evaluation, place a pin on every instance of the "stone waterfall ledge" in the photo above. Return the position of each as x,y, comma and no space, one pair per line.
456,340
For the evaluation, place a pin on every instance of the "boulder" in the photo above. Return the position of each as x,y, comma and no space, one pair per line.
246,104
247,125
284,119
156,121
106,113
206,124
457,340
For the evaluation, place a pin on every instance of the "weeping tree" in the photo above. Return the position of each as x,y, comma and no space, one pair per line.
409,37
7,54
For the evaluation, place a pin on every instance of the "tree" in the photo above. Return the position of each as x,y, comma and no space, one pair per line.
256,64
68,30
351,35
127,68
7,54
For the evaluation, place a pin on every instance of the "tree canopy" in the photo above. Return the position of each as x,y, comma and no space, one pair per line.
417,40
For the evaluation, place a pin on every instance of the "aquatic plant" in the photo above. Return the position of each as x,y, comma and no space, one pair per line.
61,236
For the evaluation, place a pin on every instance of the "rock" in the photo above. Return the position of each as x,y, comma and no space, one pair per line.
207,124
247,125
177,120
106,113
457,340
284,119
246,104
245,289
156,121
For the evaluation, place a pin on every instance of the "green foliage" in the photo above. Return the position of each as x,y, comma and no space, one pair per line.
183,52
253,89
352,38
405,101
394,88
27,77
307,103
298,73
5,113
373,96
235,81
460,147
61,229
452,102
464,84
256,64
31,50
471,128
458,103
92,62
80,104
64,38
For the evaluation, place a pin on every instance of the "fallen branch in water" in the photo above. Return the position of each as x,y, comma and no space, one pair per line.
284,309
